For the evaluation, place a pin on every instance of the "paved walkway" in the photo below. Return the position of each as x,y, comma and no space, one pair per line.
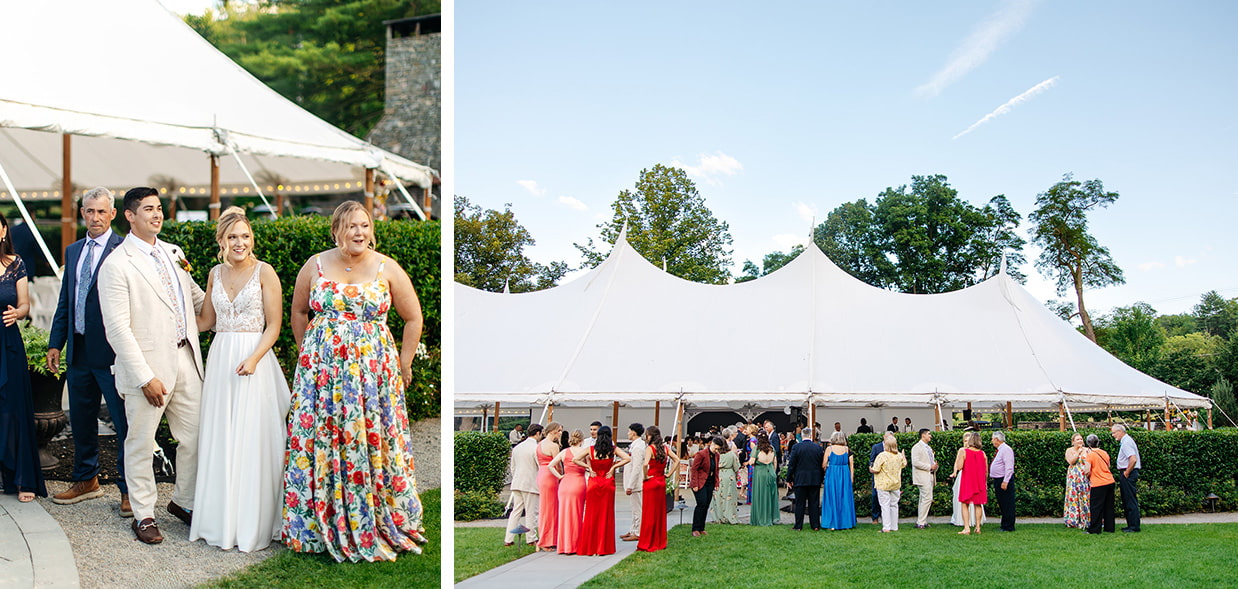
34,551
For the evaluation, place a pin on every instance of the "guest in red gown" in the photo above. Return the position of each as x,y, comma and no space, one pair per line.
659,460
973,490
571,493
548,488
597,536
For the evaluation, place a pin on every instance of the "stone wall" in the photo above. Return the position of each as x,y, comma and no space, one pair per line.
411,123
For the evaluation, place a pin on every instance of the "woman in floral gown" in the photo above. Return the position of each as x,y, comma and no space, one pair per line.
1077,510
349,487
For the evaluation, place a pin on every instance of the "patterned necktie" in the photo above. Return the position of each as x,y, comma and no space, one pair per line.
166,277
83,287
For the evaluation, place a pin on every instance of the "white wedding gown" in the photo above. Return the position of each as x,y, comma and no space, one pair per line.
238,500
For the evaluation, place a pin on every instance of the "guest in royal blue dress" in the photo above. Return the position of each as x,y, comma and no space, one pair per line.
20,470
837,498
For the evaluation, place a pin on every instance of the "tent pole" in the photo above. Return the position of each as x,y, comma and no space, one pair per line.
279,203
427,202
1066,408
937,416
236,156
1009,415
25,214
657,412
1167,426
545,408
68,220
496,416
551,417
678,427
369,191
1209,416
1061,417
614,417
212,209
485,413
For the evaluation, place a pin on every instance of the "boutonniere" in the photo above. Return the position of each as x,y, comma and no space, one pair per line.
183,263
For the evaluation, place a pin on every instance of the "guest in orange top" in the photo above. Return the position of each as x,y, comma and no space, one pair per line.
1096,465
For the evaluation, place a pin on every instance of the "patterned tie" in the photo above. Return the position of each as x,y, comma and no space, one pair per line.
83,287
168,286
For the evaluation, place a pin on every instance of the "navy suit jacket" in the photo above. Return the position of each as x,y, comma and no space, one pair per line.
804,465
97,353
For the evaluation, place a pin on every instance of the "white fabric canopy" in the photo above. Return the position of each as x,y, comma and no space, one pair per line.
145,96
627,331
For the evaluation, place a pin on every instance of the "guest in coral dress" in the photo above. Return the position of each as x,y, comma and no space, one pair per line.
548,488
659,460
571,493
973,492
597,536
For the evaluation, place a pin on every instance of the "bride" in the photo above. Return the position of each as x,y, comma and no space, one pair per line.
238,499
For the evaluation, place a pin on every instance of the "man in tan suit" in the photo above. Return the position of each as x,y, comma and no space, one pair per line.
526,496
149,303
634,478
923,475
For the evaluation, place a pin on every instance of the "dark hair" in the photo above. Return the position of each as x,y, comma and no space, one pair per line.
597,423
653,437
895,419
604,447
534,429
564,437
136,195
922,430
718,441
763,444
637,429
863,421
6,244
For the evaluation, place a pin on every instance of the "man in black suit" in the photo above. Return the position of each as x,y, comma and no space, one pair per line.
864,427
78,324
893,427
805,474
774,441
875,507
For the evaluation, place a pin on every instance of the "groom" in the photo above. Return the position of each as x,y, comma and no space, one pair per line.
149,302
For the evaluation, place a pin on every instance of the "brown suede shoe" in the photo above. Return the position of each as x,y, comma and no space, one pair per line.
125,509
80,491
147,531
181,513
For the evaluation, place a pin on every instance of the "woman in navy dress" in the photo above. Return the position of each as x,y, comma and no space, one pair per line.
20,469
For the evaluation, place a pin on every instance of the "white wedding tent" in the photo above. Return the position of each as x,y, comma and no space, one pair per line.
808,333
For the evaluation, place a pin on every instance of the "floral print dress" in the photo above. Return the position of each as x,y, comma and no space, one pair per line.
1077,510
349,487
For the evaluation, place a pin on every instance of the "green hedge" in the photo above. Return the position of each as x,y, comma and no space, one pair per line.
475,505
1180,468
286,244
481,461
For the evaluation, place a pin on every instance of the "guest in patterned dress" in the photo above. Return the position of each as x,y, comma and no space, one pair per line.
349,487
1077,511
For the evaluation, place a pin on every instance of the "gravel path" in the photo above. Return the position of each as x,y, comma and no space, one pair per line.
108,556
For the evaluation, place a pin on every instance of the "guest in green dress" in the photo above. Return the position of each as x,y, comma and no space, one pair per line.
764,483
724,507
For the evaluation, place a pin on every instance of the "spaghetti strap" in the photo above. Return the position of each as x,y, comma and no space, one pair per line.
318,262
380,269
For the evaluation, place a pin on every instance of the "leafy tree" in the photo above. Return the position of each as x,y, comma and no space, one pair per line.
1069,254
1064,309
1131,334
922,238
1189,362
667,222
1175,325
490,251
1215,314
325,55
772,262
1223,395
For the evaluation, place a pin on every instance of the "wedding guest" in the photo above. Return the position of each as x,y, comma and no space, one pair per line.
1076,511
245,398
350,488
634,479
776,441
660,461
923,475
548,487
20,469
516,435
805,472
77,328
593,434
838,428
724,508
1001,475
864,427
1095,463
597,534
703,480
764,483
893,427
875,503
1129,462
571,492
907,427
525,495
970,466
837,497
887,469
750,450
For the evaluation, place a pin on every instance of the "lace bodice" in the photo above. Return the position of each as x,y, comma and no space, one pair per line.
244,313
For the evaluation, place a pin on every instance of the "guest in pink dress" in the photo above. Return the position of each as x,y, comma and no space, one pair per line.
571,492
548,488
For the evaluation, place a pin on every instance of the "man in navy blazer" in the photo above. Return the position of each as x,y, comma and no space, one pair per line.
78,330
805,473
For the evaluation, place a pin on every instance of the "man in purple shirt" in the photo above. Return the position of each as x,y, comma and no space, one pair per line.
1001,476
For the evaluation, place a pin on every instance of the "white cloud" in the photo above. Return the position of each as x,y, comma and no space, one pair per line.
1150,266
532,187
1183,262
710,166
806,211
785,241
1010,104
573,203
979,45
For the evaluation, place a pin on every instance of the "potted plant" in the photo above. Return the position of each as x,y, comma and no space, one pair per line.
46,389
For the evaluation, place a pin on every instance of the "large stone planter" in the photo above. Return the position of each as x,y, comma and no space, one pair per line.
49,417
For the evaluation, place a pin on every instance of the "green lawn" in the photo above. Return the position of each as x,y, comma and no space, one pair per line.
1034,556
481,549
291,569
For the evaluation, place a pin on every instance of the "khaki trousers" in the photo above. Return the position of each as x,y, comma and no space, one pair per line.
524,511
181,406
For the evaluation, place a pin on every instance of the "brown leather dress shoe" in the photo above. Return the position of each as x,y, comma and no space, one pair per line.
80,491
147,531
180,512
125,509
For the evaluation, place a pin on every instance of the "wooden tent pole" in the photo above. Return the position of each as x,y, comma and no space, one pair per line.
657,412
679,433
1210,417
213,207
1167,426
937,417
1061,417
614,417
496,416
369,191
1009,415
68,218
551,416
485,413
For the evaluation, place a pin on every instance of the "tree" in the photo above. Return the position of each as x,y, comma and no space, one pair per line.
1175,325
490,251
328,56
1064,309
1069,254
1189,362
1223,395
772,262
667,222
924,239
1131,334
1215,314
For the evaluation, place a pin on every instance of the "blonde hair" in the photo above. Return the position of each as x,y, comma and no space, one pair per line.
576,438
227,220
551,428
972,440
890,444
339,220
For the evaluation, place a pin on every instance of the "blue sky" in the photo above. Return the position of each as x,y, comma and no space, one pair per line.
783,111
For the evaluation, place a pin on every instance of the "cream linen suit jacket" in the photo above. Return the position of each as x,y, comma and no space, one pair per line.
524,466
634,472
922,464
139,318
